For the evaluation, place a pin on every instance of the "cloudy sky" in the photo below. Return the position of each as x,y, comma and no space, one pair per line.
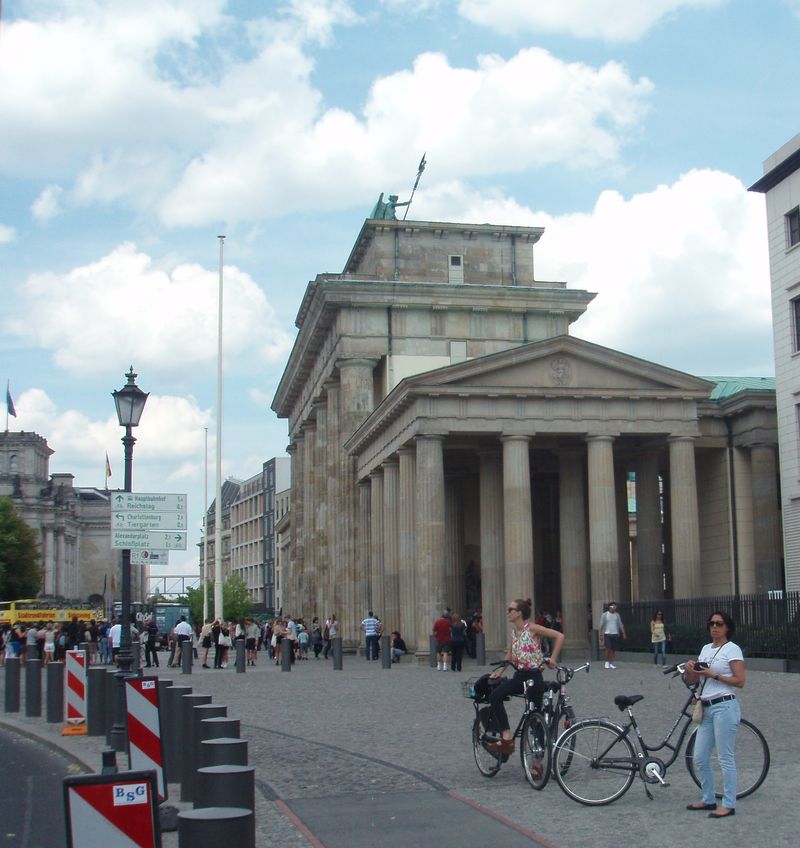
133,134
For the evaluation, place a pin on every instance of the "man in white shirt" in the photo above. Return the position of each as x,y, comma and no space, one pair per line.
114,636
611,628
184,632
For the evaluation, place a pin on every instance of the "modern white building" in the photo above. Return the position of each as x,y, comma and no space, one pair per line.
781,186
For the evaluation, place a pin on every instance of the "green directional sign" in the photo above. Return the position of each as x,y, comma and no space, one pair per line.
166,540
147,502
148,520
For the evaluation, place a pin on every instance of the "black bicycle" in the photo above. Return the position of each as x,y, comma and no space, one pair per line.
596,760
536,729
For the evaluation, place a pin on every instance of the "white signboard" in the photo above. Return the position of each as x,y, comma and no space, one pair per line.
172,540
145,557
148,520
143,502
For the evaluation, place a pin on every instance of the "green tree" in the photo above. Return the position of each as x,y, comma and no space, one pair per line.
20,574
236,603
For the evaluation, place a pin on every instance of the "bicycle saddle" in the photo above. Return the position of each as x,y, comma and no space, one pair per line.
625,701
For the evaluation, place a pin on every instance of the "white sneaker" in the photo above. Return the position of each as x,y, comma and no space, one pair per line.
445,667
611,665
608,665
438,666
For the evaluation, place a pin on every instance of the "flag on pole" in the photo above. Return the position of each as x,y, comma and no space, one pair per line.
9,402
108,467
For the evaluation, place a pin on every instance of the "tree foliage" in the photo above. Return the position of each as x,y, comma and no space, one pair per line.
20,573
236,603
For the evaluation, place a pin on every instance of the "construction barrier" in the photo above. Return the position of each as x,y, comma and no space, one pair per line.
144,729
76,694
112,809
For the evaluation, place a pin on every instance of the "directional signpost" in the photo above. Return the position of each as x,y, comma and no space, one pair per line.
144,522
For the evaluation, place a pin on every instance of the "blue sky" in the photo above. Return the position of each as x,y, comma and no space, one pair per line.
134,133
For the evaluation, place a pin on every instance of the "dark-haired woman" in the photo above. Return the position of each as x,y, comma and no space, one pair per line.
659,637
720,667
527,658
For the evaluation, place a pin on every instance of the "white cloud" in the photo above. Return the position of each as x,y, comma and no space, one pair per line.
7,234
47,204
610,20
123,308
681,272
179,110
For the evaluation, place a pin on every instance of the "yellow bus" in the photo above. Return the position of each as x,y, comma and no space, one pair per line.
32,610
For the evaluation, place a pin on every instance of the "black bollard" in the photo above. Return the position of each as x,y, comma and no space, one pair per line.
286,654
112,692
163,685
211,827
336,644
12,684
223,786
188,765
199,714
217,727
480,648
432,652
186,656
223,752
96,701
240,656
136,653
386,652
55,692
33,688
594,645
109,760
172,731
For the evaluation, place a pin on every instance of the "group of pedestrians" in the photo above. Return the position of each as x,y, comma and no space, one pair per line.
49,641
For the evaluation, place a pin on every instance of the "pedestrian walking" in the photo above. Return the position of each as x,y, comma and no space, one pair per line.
611,629
442,634
371,628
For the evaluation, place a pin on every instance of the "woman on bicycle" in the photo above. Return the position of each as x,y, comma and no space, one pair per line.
527,658
721,668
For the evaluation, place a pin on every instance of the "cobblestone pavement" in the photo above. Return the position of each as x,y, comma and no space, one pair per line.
316,735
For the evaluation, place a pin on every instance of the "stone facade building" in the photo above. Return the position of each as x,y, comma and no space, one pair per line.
74,525
453,446
781,185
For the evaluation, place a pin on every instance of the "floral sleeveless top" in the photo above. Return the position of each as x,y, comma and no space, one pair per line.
526,649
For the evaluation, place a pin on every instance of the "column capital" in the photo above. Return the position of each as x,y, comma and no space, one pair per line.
390,462
291,448
406,450
359,361
364,483
331,382
515,437
376,473
599,437
432,436
318,403
681,437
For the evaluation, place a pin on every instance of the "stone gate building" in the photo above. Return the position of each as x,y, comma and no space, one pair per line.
453,446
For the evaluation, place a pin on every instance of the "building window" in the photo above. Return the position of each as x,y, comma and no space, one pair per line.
795,324
455,268
458,351
793,227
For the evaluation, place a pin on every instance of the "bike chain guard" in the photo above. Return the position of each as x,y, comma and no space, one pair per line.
653,770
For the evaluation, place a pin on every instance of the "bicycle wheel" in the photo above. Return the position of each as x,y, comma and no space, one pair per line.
602,762
535,751
564,721
752,760
488,763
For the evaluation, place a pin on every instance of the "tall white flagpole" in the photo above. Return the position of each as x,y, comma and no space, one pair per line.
205,528
218,611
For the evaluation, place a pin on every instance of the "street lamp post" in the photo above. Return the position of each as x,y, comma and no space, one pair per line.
130,401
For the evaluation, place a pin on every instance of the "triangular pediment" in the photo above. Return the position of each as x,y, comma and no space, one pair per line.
563,364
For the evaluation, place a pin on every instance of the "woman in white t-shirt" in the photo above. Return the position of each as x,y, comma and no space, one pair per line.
721,668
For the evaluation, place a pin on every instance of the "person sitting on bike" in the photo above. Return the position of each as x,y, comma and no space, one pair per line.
721,668
527,658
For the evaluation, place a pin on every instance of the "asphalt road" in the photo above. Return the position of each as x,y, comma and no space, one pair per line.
31,798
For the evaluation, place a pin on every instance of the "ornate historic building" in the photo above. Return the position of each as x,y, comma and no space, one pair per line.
74,524
454,447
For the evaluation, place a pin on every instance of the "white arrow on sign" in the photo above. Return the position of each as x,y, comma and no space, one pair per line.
173,540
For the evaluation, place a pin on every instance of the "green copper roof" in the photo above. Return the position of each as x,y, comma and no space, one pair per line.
727,387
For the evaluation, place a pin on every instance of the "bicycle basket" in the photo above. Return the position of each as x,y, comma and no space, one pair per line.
468,688
481,688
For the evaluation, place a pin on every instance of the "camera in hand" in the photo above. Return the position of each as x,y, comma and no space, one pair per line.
699,664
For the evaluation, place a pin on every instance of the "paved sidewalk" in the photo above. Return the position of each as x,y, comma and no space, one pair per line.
374,756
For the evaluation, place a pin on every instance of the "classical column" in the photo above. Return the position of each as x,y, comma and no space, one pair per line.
363,547
390,612
47,561
61,564
685,519
623,533
291,576
517,517
648,528
603,550
333,486
406,549
493,584
377,543
454,545
320,538
356,401
766,518
430,579
306,601
572,547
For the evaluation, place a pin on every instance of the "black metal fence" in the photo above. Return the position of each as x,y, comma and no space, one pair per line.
767,625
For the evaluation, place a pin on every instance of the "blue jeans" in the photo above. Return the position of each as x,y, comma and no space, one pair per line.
660,648
718,729
371,647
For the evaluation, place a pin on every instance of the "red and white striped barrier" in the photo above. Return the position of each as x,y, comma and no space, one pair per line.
145,750
76,693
